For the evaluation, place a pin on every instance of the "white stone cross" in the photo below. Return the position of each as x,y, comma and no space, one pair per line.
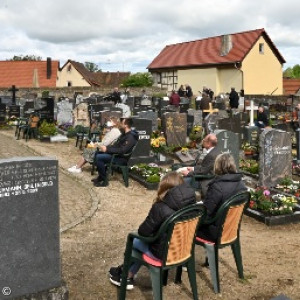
251,108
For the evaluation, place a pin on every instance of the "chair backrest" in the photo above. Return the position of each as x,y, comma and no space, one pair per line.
229,217
179,233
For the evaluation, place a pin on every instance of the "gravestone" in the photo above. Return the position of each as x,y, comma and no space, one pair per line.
175,128
46,108
228,141
275,157
94,110
150,115
64,112
2,112
28,108
141,153
130,102
183,108
104,116
81,115
146,101
190,124
30,247
197,116
211,123
125,109
239,121
14,111
251,134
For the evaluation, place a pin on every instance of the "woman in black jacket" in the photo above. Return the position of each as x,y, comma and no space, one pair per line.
172,195
226,184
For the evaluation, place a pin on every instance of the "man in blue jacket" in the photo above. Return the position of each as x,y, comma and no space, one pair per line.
123,145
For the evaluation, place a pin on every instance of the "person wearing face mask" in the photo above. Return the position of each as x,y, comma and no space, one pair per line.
123,145
109,138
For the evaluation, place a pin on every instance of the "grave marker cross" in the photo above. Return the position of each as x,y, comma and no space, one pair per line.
211,109
13,90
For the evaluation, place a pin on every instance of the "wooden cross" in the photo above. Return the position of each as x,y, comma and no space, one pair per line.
211,109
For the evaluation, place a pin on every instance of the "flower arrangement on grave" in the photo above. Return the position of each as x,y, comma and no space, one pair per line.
249,149
196,136
290,186
249,165
158,142
278,204
151,173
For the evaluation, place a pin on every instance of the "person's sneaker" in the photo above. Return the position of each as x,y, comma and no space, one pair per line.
115,271
75,170
100,184
72,168
96,179
116,280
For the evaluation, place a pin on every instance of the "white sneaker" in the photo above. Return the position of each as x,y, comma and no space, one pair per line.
72,168
75,170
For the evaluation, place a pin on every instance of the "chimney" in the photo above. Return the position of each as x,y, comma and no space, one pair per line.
226,45
49,71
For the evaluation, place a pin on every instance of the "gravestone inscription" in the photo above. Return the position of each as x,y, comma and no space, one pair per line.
275,157
228,141
30,248
175,128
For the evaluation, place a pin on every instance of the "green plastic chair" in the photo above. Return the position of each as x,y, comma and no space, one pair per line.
22,125
124,169
179,232
228,220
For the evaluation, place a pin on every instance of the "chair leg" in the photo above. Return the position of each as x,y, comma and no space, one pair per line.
178,275
156,277
236,250
165,277
192,277
125,176
212,255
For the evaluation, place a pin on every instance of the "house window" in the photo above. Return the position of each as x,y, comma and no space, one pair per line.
261,48
69,83
69,68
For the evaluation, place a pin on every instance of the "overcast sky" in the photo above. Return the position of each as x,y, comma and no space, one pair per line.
126,35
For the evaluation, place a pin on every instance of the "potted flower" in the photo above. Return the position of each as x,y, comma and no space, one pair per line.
249,149
46,130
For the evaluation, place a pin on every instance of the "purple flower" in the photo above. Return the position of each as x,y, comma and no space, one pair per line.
266,192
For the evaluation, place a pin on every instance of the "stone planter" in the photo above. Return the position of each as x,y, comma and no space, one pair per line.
274,220
142,181
45,138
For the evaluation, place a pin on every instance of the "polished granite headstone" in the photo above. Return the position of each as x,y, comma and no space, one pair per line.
30,248
197,116
2,112
228,141
104,116
275,156
251,134
64,112
175,128
150,115
141,153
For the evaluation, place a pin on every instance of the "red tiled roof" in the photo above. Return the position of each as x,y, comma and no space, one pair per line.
291,86
207,51
99,78
20,73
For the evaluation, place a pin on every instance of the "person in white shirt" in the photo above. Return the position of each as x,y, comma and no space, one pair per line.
109,138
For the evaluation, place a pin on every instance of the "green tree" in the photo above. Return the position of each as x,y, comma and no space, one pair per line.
26,58
92,67
292,72
138,80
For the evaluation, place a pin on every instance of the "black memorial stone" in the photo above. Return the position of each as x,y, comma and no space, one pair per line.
14,111
142,150
190,124
46,109
30,247
2,112
13,89
104,116
251,135
228,141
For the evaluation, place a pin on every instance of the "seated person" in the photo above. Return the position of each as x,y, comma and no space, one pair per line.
109,138
206,167
172,195
226,184
262,118
123,145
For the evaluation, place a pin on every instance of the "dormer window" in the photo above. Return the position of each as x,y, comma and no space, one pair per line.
261,48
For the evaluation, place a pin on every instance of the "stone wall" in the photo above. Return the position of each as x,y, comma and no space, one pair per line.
30,93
